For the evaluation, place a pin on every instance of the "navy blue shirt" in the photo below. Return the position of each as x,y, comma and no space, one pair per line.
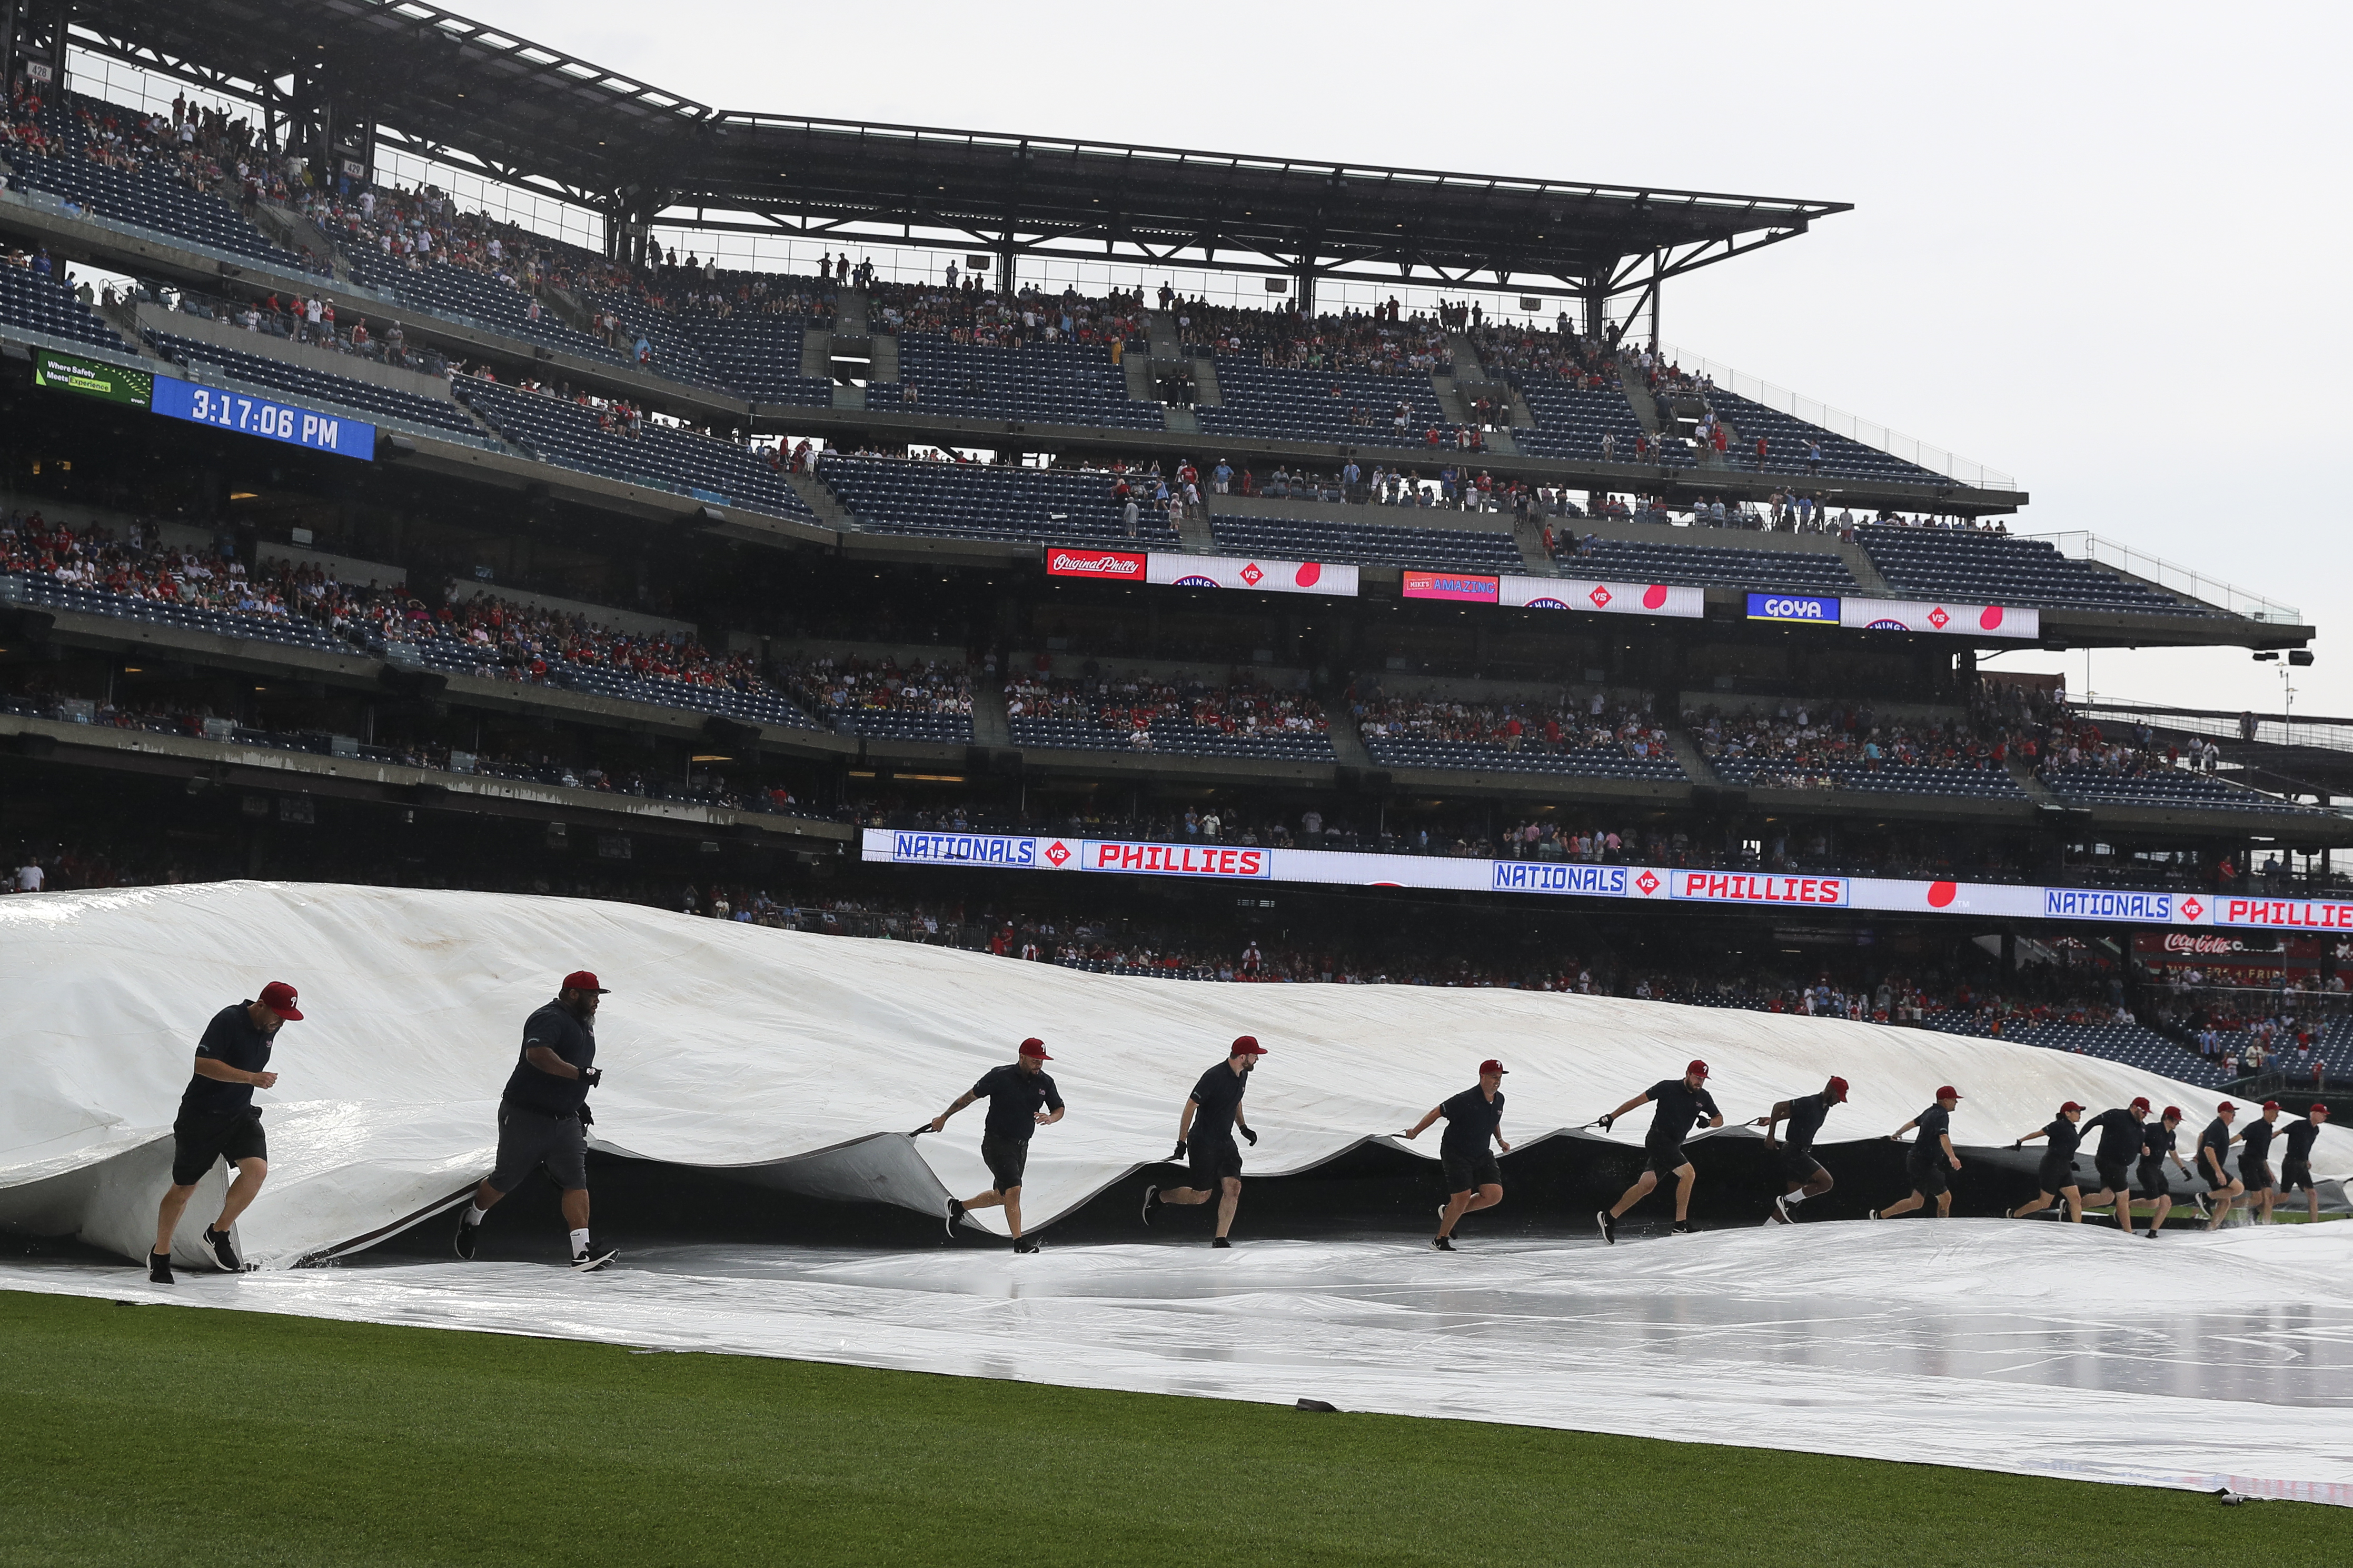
2156,1141
1935,1124
2120,1134
1680,1106
233,1038
2298,1136
2064,1136
2257,1140
569,1038
1219,1096
1472,1119
1013,1097
1805,1113
2216,1137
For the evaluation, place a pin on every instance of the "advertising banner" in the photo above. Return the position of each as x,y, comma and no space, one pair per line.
1456,585
93,378
1247,572
1652,884
1925,616
1606,599
1073,561
1813,608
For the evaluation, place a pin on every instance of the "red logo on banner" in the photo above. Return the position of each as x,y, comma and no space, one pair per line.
1941,893
1939,619
1654,596
1990,617
2192,908
1058,853
1310,573
1648,882
1600,596
1124,564
1251,575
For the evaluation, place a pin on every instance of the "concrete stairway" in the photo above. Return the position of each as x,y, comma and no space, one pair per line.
817,353
1347,745
1637,393
1205,383
884,348
1687,753
829,511
989,725
850,313
1528,534
1195,535
1160,329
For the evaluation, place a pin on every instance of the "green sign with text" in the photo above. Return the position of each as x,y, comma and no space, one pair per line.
93,378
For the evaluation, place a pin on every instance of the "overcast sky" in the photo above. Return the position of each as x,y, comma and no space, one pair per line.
2098,247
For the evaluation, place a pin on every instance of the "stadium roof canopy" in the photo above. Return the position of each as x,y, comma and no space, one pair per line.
442,85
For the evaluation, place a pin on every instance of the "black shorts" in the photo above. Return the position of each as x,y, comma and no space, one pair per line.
1006,1158
529,1140
1928,1173
1798,1165
198,1139
1464,1172
2056,1172
2294,1174
1664,1161
2153,1183
1213,1161
2256,1174
2113,1178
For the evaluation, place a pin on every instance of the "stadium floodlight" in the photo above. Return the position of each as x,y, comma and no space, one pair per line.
2299,655
2267,655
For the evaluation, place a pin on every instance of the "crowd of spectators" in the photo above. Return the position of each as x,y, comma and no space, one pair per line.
1135,705
310,318
1566,724
1383,341
1510,351
971,312
834,688
1794,746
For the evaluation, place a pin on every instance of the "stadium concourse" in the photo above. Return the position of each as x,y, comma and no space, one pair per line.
788,1067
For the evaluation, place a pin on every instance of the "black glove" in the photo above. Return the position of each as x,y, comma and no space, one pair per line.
1180,1149
1604,1122
1252,1136
592,1077
2018,1145
586,1119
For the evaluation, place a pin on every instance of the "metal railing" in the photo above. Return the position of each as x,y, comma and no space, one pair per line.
2271,729
2182,580
1839,422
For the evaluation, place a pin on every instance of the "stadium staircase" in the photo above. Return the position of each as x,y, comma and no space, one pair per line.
989,725
829,511
850,313
817,352
2022,772
1193,533
883,349
1688,757
1205,383
1471,381
1529,533
282,226
1347,745
1638,395
1160,334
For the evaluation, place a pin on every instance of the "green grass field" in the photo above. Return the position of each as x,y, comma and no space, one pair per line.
156,1434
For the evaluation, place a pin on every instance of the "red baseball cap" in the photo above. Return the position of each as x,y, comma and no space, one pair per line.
1699,1067
1247,1045
2172,1113
2071,1105
278,997
2271,1105
1034,1047
580,980
1491,1065
2140,1103
2318,1108
1838,1087
2226,1105
1948,1092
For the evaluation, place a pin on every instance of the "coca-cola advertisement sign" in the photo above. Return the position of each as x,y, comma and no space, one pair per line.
1126,565
2190,944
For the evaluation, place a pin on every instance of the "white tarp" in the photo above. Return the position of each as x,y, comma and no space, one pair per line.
733,1046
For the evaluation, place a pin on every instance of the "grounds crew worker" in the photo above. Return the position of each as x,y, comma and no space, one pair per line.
218,1120
1022,1098
1206,1128
542,1117
1473,1177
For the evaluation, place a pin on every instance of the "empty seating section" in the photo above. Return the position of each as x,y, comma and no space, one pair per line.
1046,384
301,381
1994,569
1342,405
1988,782
758,357
156,200
890,495
1370,544
1571,421
1645,561
2161,789
675,351
571,436
449,289
1788,438
2134,1045
39,304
